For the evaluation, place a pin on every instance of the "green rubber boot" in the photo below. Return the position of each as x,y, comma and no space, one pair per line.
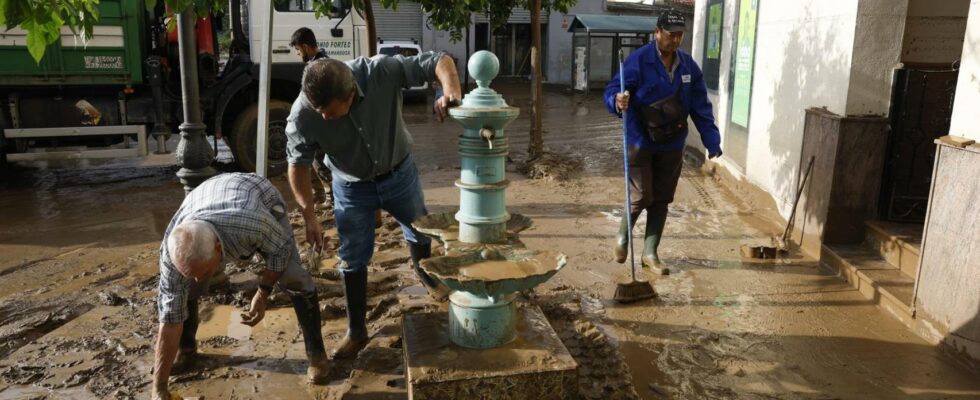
619,250
656,219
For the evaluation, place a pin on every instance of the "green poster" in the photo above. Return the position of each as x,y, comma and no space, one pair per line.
714,31
744,55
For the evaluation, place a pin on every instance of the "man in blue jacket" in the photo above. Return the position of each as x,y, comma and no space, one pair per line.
657,75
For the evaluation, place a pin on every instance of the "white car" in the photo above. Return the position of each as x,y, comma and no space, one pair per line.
406,48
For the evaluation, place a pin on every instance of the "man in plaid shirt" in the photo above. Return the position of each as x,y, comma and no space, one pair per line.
230,217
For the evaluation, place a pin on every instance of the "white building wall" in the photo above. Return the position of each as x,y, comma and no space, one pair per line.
441,41
802,60
559,56
966,106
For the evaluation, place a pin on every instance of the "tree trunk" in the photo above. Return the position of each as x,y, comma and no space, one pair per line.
536,145
371,27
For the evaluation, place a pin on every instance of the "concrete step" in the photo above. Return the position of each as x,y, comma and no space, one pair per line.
897,243
878,280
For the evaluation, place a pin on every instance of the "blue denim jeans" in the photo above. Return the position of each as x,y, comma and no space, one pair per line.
400,194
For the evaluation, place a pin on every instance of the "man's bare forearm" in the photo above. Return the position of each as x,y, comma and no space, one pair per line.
448,77
299,182
168,340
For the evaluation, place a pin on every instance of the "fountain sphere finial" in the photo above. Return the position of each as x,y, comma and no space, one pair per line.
483,67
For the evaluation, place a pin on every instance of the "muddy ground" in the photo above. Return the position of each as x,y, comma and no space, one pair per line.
78,266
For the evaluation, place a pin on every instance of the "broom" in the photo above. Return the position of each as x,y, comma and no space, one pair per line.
634,290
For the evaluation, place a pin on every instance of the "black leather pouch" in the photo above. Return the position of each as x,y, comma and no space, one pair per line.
665,119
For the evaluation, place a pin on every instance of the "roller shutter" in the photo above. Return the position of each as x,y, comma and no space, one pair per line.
405,23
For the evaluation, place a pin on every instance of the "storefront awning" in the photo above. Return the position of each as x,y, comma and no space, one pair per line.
593,23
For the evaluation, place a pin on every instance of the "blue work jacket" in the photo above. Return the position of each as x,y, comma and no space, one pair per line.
647,81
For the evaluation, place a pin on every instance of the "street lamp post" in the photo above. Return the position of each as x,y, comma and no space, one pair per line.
194,155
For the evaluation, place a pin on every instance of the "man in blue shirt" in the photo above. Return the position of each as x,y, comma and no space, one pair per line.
657,75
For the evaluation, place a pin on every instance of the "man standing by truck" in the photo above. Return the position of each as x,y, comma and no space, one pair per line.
303,42
664,86
353,111
228,218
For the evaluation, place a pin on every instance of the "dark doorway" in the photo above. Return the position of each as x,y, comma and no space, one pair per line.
922,105
511,43
482,41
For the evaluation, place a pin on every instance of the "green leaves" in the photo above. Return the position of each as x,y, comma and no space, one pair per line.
43,19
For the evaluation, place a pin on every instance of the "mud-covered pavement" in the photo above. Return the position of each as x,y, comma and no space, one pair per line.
78,254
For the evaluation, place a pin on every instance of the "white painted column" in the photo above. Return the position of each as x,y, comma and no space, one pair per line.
877,51
967,100
265,65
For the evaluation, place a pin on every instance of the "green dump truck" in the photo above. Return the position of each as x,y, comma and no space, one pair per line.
105,97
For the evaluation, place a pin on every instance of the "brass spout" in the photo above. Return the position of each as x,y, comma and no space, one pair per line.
489,134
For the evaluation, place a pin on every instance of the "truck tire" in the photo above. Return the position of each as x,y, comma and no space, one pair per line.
245,131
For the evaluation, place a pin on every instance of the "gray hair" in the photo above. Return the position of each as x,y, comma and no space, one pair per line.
327,80
191,243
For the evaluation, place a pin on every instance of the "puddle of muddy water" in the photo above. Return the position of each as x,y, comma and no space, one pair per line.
222,320
648,380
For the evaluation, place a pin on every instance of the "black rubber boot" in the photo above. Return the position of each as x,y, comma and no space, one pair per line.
620,251
436,289
656,219
355,291
307,309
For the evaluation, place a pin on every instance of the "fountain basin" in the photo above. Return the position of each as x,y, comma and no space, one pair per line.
445,228
495,273
482,314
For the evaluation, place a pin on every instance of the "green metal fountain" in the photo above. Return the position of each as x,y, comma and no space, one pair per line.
485,264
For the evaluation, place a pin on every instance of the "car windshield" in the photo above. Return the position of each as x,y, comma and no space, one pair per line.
396,50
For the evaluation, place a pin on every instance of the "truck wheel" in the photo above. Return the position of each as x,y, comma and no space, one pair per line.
244,134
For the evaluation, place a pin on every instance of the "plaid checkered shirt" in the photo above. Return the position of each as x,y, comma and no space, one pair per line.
247,212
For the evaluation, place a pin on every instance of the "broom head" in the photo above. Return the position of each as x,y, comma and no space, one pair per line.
633,291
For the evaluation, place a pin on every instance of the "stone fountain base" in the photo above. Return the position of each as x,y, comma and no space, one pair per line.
536,365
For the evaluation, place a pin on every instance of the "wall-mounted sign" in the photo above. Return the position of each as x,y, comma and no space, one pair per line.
714,31
744,59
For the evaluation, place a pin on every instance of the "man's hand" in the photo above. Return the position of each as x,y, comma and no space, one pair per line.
314,233
449,80
715,155
622,101
442,106
299,181
257,311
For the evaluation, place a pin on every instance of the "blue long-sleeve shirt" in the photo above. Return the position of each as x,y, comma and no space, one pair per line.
647,80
